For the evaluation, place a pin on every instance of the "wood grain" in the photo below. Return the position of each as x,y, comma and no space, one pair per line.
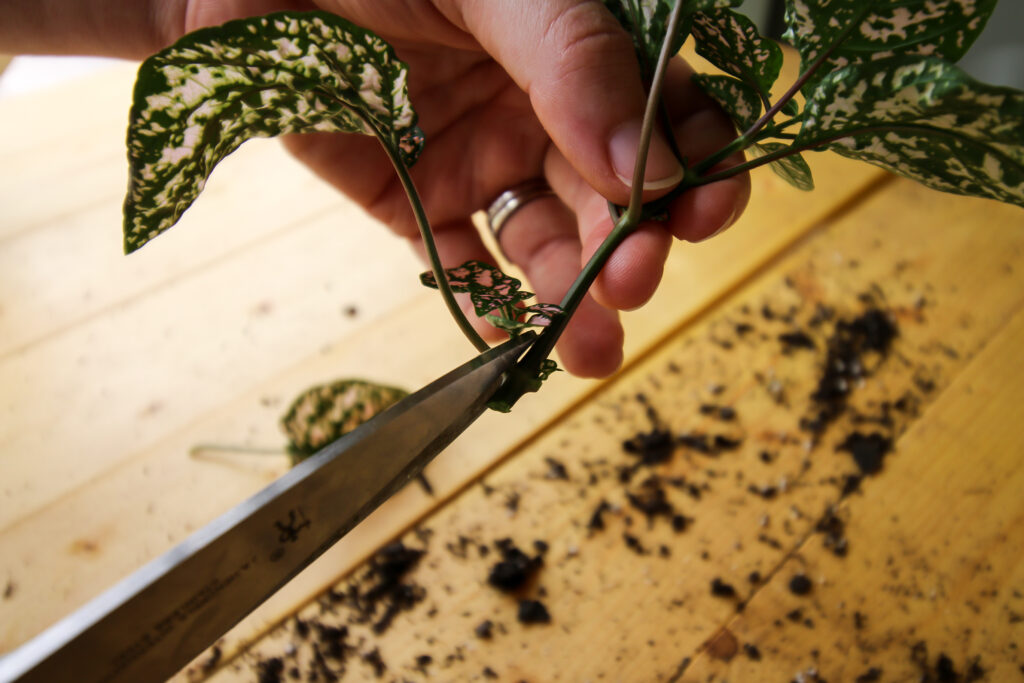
634,600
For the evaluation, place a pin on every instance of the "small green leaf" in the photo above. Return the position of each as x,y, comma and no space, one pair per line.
543,314
792,168
925,119
487,286
846,32
324,413
740,100
291,72
731,42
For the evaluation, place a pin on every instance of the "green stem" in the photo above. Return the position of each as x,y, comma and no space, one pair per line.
522,379
428,241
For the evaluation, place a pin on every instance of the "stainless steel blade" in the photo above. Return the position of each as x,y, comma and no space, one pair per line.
158,619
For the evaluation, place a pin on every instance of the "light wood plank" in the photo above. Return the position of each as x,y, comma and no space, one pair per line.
936,561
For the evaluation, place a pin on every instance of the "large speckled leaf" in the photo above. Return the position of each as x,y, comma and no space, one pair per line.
487,286
926,119
647,22
731,42
289,72
741,101
324,413
844,32
792,168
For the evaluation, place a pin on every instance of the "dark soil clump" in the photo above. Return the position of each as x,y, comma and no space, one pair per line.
533,612
514,569
852,341
800,585
721,589
867,450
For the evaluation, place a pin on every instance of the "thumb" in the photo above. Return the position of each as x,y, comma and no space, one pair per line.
578,66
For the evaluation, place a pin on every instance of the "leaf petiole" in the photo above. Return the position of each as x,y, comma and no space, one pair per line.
427,235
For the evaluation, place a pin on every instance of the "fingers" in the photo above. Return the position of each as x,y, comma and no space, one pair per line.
633,272
580,71
541,237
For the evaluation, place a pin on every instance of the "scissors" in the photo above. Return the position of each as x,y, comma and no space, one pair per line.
155,621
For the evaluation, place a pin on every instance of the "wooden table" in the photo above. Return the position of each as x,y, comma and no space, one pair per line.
750,546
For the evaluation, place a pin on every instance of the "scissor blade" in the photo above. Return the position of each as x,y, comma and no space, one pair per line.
158,619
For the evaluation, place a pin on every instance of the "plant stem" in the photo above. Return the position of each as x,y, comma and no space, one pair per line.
428,241
522,378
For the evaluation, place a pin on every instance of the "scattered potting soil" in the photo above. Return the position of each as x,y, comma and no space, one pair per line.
849,347
846,351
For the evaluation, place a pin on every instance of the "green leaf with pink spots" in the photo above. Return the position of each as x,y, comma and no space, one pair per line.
290,72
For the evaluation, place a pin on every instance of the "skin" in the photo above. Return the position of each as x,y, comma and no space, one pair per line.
506,90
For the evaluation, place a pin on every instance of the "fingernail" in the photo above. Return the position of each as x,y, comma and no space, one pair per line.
662,169
728,222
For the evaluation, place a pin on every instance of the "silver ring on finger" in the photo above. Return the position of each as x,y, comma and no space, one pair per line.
511,200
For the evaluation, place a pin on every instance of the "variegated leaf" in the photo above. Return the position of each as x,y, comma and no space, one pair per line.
791,168
487,286
740,100
926,119
844,32
324,413
289,72
543,314
731,42
647,22
537,315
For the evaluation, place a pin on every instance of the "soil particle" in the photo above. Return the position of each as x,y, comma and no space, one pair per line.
798,339
651,500
489,673
680,523
556,469
596,522
332,639
484,630
724,413
653,447
533,612
271,670
867,450
752,652
386,591
721,589
211,662
8,590
375,662
870,676
800,585
834,530
515,567
634,544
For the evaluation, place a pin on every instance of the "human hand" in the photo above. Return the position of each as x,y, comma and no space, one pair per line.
507,91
